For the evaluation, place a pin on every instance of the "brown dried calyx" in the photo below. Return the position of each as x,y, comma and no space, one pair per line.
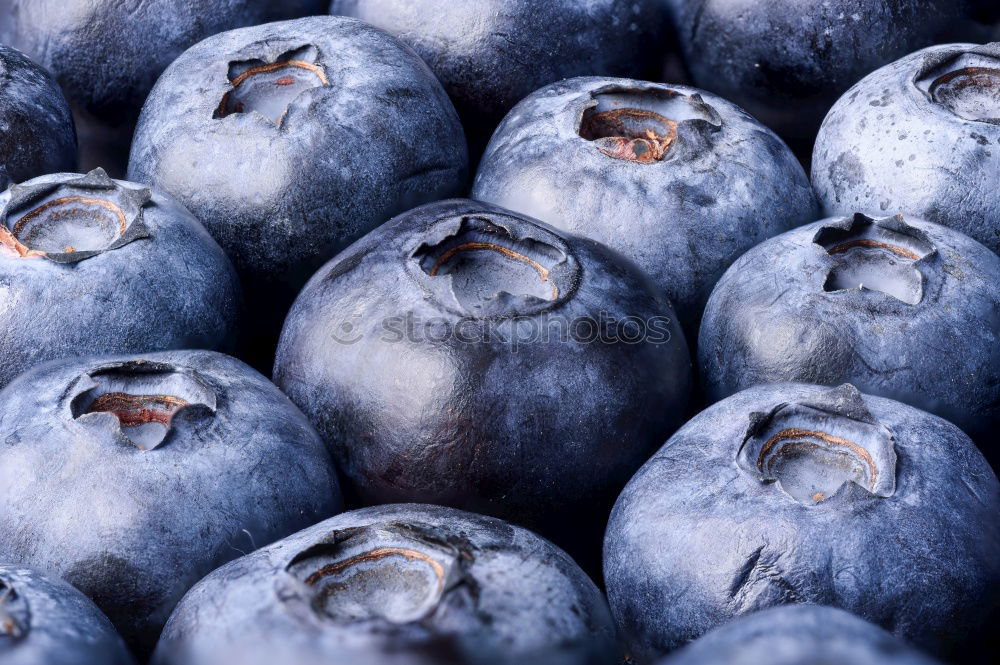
392,572
971,92
132,410
72,219
634,135
812,448
145,398
10,245
269,88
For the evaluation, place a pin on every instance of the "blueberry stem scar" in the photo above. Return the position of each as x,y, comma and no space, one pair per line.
264,69
12,245
542,271
375,555
867,242
796,433
134,410
634,135
119,213
9,238
965,71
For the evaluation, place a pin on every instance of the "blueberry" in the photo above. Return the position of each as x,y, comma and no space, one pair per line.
786,61
91,265
919,136
467,356
45,620
290,140
678,180
885,304
399,584
134,476
492,53
795,493
798,635
37,134
106,54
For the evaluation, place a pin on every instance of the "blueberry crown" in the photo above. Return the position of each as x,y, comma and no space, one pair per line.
72,218
814,448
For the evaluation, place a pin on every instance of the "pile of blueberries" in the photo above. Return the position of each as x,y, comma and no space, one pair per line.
632,354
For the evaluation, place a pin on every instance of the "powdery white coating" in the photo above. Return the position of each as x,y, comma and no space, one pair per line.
37,134
379,138
798,635
787,61
490,54
54,623
106,54
725,183
887,147
134,528
775,316
695,540
170,286
510,597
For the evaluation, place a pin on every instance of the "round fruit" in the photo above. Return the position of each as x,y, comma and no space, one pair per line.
132,477
489,54
399,585
37,134
91,265
45,620
798,635
787,61
899,307
795,493
290,140
467,356
920,136
678,180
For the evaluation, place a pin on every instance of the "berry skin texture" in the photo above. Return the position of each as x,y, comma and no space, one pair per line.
132,477
290,140
798,635
45,620
899,307
490,54
787,61
37,134
674,178
91,265
455,356
107,54
795,493
395,585
920,136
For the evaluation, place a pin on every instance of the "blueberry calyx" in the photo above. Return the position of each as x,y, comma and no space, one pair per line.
494,265
74,219
268,88
397,573
967,84
644,125
138,400
814,448
876,255
633,135
15,617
